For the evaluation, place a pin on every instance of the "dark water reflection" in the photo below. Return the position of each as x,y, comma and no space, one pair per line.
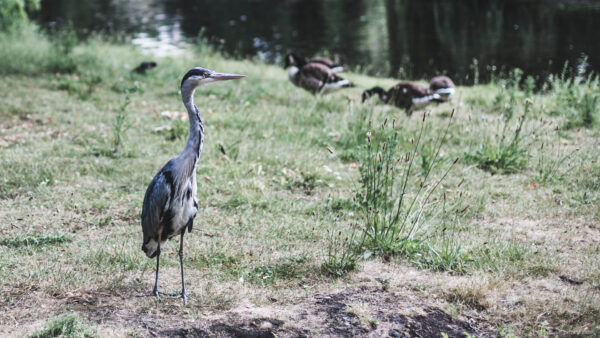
407,39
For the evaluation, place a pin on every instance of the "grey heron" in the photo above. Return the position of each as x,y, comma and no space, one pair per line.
407,95
315,77
170,202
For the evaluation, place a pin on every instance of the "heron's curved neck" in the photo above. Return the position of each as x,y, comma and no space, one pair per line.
196,137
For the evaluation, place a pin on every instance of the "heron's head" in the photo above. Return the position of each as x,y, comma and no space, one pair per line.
199,76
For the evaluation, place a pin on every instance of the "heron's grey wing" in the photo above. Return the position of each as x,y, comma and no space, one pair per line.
156,202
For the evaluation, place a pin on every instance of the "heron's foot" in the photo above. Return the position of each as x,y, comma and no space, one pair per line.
157,294
182,295
153,293
173,294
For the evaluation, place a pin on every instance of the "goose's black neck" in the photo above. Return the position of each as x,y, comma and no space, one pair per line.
383,95
295,60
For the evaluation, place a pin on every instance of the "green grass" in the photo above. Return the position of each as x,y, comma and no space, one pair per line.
576,98
66,325
279,186
36,240
505,153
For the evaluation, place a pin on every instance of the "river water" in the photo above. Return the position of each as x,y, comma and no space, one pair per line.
470,40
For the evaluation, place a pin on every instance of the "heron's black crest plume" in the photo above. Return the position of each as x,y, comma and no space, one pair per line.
198,71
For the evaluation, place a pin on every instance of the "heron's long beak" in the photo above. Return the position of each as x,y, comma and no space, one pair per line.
225,77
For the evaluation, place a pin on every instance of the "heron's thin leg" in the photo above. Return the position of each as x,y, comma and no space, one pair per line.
183,294
155,291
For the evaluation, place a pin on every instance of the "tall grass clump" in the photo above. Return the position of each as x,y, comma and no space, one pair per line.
66,325
510,93
553,163
13,13
507,154
394,199
119,127
342,256
24,49
27,50
577,98
354,138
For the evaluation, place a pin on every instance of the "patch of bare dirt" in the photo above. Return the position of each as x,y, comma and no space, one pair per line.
367,307
543,231
359,312
335,315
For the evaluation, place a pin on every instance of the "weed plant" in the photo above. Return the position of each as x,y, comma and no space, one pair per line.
444,251
392,202
510,94
342,255
576,98
395,200
508,154
448,256
120,125
553,164
355,137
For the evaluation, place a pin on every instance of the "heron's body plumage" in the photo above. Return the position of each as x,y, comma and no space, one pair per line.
170,202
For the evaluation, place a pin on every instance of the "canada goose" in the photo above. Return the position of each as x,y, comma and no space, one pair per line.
407,95
293,59
145,66
443,86
316,77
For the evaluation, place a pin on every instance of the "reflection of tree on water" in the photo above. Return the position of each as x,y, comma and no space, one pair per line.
401,38
105,16
463,30
410,43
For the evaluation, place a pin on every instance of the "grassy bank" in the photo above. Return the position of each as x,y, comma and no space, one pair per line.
507,235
